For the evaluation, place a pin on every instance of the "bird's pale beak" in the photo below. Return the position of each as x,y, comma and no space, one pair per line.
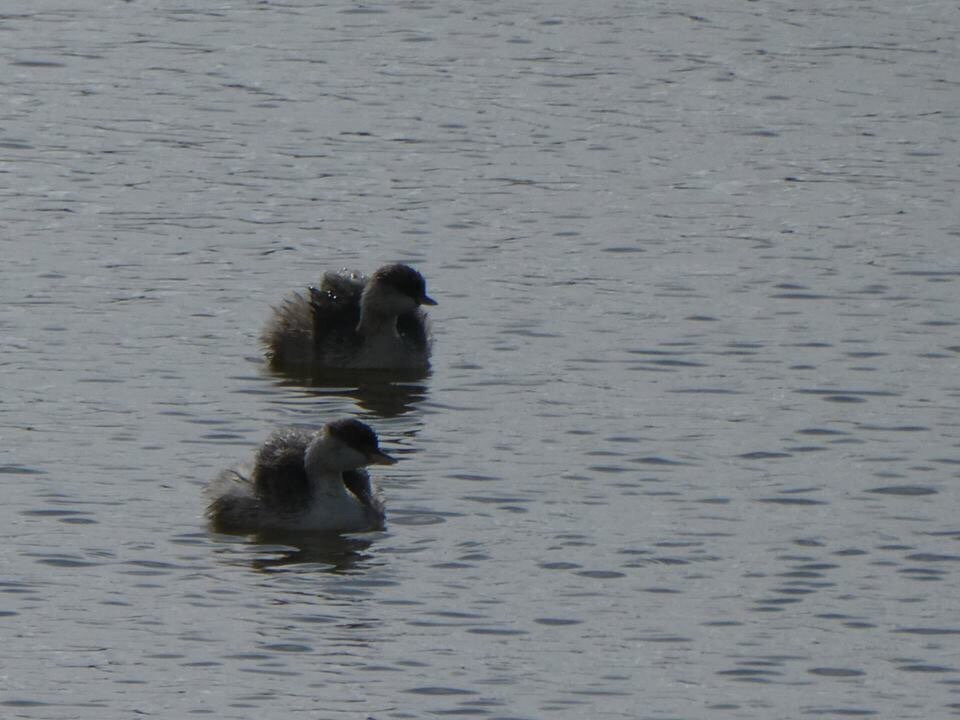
427,300
378,457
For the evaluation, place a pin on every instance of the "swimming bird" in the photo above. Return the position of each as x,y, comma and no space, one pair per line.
352,321
303,480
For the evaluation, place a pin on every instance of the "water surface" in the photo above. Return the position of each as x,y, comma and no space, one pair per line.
689,448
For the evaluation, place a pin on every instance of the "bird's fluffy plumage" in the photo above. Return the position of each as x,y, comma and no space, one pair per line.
281,491
352,321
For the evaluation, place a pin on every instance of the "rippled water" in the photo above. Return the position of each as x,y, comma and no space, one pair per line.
690,445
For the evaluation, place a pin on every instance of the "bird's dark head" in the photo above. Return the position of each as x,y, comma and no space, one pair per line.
360,438
404,280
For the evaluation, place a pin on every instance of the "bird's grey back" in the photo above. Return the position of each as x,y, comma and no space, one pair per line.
344,283
279,475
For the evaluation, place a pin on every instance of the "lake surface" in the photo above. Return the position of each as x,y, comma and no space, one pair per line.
691,444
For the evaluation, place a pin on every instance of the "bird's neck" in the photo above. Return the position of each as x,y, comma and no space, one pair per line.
320,461
378,316
376,325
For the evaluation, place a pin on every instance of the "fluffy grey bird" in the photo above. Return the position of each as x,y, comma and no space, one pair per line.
352,321
302,480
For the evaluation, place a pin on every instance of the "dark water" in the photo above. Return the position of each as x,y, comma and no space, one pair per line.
691,444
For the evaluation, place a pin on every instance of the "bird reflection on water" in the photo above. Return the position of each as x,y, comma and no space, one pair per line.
328,552
382,393
276,551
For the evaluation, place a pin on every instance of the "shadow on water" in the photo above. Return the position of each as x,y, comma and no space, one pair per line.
383,393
